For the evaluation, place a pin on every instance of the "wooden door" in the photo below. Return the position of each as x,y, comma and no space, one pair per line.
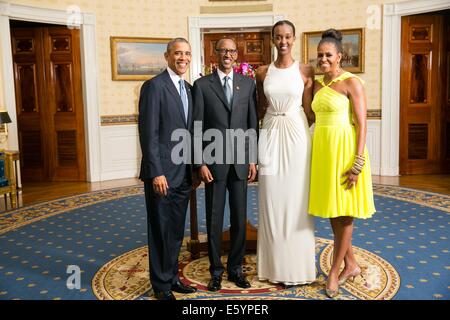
47,71
30,102
446,97
422,105
253,47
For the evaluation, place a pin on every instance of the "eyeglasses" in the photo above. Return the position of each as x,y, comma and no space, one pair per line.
225,51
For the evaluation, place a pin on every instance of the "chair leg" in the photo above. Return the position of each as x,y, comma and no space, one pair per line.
13,200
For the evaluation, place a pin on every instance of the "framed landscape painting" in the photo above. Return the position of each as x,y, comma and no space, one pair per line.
137,58
352,43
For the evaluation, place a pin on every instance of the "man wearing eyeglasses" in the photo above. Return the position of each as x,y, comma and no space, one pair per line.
226,101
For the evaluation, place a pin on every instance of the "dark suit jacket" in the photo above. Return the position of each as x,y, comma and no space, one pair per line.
160,113
211,107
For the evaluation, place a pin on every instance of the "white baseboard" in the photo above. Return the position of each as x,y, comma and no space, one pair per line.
114,175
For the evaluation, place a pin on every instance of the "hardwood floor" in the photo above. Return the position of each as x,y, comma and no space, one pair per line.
34,192
432,183
39,192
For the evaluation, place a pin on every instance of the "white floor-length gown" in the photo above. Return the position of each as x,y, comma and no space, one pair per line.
286,246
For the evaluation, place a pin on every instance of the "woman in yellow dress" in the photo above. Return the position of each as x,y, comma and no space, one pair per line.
341,183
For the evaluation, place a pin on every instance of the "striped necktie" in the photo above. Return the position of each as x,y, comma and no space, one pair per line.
184,99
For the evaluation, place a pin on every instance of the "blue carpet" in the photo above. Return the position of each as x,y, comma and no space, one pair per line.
409,231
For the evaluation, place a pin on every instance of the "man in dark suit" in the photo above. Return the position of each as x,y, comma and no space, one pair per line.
226,100
165,105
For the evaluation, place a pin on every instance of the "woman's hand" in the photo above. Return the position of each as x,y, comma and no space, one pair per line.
350,179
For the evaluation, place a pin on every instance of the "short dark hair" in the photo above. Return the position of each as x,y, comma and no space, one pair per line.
283,22
218,41
172,42
332,36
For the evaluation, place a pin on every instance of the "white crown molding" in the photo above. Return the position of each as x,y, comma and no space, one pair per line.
415,7
235,21
36,14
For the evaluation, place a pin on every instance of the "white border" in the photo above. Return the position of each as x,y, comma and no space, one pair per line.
390,120
89,68
221,21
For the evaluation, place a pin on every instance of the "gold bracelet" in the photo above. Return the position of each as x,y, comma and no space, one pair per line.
358,164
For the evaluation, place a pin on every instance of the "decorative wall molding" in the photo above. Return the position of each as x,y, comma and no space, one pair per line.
236,9
374,113
89,68
390,123
121,153
126,119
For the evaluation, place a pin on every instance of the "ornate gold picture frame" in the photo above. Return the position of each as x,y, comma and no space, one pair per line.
353,41
137,58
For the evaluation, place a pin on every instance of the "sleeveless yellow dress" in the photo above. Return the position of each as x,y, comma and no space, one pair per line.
333,152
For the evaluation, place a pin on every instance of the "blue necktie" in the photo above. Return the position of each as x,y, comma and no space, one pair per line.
184,99
227,90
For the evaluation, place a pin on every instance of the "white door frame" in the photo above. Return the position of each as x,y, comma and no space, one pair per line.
390,120
222,21
89,71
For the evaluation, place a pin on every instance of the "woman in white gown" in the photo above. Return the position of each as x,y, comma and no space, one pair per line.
286,246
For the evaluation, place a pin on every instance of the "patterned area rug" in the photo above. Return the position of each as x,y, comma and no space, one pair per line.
403,250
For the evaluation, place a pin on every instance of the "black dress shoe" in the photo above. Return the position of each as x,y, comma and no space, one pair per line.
181,288
164,295
215,284
240,281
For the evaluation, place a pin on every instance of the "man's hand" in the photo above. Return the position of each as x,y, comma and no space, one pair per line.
160,185
251,172
205,174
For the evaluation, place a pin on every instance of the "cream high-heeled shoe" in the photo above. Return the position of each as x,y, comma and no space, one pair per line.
352,275
332,293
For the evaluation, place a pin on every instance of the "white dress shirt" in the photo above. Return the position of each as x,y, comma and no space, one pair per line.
175,79
223,75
